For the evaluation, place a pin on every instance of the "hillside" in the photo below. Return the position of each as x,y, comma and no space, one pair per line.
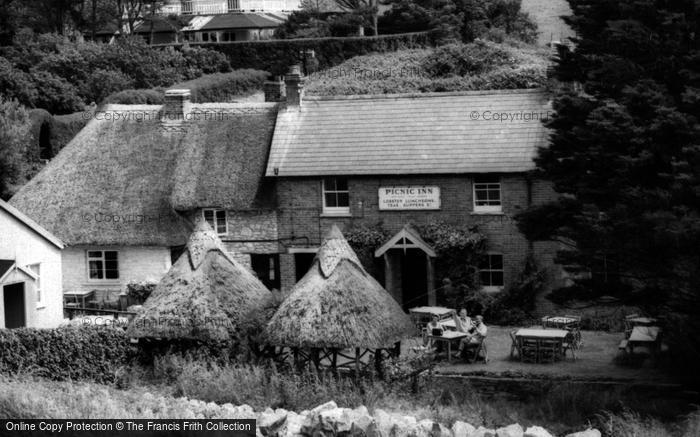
480,65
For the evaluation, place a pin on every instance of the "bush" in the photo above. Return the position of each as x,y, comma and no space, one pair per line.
222,87
140,291
276,56
72,352
136,97
466,59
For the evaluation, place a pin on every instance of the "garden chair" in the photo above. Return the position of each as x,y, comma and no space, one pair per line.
575,328
549,351
473,351
570,343
529,350
628,324
515,345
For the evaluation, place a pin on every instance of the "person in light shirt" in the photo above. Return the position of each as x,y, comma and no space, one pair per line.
475,335
463,323
429,329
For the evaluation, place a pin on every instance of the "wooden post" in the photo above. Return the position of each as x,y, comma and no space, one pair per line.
357,362
378,363
430,275
334,363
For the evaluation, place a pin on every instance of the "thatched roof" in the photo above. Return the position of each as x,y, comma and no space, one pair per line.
122,179
206,295
337,304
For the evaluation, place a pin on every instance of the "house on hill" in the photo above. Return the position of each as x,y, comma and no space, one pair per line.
30,272
272,178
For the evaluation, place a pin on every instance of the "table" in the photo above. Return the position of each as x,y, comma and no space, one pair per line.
560,322
419,314
76,296
641,321
558,335
448,337
644,336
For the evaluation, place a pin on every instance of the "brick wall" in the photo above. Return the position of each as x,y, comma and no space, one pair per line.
300,213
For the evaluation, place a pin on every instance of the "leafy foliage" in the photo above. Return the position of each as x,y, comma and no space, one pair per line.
14,139
62,75
625,157
73,352
479,65
137,97
222,87
515,305
140,291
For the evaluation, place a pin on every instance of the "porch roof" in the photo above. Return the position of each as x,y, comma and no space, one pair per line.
406,238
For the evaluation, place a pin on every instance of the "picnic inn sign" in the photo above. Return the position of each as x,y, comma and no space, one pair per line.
409,198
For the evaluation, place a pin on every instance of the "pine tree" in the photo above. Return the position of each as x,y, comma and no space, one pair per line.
625,157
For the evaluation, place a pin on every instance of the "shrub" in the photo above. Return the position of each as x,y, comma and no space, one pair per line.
15,134
276,56
140,291
136,97
222,87
466,59
72,352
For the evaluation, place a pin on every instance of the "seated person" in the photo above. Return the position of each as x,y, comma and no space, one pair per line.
462,321
475,336
431,329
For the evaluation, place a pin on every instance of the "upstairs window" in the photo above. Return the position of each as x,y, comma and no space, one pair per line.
103,265
336,197
487,194
491,272
217,220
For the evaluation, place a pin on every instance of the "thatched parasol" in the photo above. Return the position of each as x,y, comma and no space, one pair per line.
337,304
206,295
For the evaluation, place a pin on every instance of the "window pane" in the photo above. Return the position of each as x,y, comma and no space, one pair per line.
494,195
331,200
111,255
497,278
343,199
480,195
485,278
221,215
496,262
341,184
485,179
329,184
95,254
95,268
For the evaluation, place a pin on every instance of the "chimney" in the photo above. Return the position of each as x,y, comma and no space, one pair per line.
176,107
274,89
294,83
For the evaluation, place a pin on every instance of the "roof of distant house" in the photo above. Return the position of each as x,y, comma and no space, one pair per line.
431,133
31,224
241,21
123,178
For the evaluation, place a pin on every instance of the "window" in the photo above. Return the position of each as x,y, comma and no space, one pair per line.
336,197
103,264
205,36
217,220
491,272
267,269
36,269
487,194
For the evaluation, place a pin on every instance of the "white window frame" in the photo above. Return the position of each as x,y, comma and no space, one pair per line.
491,287
480,186
36,269
335,210
215,213
89,258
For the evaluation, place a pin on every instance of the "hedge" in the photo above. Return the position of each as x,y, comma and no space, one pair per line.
136,97
222,87
276,56
71,352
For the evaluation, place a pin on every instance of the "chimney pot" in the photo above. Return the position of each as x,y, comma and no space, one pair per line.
294,83
177,104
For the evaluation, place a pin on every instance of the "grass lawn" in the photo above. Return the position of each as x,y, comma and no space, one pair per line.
546,14
595,361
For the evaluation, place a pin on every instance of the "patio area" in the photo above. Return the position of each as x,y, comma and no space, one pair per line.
596,360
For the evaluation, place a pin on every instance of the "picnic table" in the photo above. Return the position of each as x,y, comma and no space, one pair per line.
77,298
560,322
642,321
448,337
421,315
540,345
643,336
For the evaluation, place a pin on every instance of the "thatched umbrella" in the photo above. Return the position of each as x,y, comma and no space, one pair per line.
206,295
338,305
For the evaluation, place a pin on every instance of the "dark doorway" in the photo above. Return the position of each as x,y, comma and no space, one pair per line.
302,263
414,281
13,299
267,268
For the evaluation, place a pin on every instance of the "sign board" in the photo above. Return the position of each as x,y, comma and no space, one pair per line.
412,197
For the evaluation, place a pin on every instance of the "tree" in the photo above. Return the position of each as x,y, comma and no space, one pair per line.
361,8
14,137
625,158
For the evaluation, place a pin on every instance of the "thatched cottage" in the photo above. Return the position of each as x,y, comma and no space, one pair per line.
30,272
272,178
